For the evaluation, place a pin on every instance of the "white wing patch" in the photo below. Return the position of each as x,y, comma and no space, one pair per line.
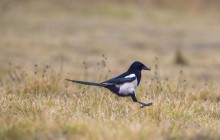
128,87
130,76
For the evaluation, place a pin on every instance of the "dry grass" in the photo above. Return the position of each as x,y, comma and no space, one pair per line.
41,44
43,106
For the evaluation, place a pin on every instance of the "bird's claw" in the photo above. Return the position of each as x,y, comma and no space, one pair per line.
144,105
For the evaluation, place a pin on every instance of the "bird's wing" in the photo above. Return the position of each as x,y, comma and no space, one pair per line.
119,80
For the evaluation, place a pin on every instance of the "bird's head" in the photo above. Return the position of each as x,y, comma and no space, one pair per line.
138,66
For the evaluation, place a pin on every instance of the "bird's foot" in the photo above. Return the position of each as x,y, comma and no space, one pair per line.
146,104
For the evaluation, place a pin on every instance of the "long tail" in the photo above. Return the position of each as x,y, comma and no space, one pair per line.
87,83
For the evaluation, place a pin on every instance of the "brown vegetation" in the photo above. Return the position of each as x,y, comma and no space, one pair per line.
44,42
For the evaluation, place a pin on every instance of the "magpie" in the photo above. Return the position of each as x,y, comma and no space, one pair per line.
123,85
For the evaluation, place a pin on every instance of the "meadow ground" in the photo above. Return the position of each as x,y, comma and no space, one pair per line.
44,42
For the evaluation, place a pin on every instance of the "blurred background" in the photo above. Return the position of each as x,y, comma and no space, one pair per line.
68,34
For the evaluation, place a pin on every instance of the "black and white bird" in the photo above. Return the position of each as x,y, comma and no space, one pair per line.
123,85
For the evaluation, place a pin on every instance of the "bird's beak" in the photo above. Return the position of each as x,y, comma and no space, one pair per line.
146,68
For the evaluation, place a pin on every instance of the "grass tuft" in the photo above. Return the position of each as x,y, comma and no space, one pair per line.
180,58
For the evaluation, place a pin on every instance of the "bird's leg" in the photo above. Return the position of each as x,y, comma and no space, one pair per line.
143,104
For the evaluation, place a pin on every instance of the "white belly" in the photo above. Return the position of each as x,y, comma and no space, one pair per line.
129,87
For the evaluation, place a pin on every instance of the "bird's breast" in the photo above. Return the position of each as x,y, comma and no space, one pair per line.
128,87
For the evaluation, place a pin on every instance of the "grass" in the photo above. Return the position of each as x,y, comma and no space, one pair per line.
41,44
50,108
